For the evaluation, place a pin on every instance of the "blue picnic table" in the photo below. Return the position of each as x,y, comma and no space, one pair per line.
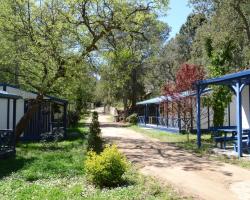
232,130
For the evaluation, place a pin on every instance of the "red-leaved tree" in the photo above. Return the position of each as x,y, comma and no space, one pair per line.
181,99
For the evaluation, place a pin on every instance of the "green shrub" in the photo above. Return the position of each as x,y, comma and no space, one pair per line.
73,118
95,142
106,169
132,119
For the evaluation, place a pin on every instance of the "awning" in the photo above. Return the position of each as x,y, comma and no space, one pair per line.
160,99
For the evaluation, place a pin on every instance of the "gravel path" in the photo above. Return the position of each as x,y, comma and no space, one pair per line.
191,175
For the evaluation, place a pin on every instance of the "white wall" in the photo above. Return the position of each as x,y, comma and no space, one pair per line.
19,106
11,115
204,117
19,109
3,113
245,109
20,102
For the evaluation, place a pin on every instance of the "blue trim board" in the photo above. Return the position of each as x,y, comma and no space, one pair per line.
170,130
6,95
228,79
162,128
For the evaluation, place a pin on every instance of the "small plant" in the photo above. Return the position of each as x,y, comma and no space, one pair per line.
132,119
73,118
95,142
106,169
50,140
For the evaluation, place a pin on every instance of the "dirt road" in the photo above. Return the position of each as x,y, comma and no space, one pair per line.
191,175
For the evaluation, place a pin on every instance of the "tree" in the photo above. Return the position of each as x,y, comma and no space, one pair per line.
124,74
228,22
54,37
222,45
180,93
95,142
174,53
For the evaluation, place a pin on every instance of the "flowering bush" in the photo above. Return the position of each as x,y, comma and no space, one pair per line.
106,169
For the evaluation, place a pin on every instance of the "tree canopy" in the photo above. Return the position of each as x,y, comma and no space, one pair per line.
117,52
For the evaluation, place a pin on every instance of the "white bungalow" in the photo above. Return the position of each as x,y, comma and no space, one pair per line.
7,122
51,114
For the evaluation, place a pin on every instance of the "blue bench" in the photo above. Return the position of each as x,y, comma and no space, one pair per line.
222,139
245,142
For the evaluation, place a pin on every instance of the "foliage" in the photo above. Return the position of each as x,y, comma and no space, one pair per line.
221,96
73,118
47,46
174,53
108,168
187,75
50,140
122,77
95,142
132,119
222,45
182,103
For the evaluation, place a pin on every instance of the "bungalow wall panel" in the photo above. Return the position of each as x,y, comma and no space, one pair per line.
204,117
233,111
19,109
3,113
245,109
11,115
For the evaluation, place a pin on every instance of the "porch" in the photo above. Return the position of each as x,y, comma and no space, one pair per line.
158,113
237,82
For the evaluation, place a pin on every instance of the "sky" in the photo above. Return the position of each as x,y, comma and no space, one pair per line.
177,15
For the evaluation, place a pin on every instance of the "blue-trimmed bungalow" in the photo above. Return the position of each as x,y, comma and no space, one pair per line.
159,113
52,113
7,123
236,127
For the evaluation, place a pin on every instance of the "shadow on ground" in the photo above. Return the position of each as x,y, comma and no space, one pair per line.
13,164
162,154
114,125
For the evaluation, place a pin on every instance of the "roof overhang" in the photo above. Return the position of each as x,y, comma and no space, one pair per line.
160,99
52,98
7,95
229,79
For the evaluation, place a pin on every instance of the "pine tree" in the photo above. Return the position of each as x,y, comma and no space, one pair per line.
95,142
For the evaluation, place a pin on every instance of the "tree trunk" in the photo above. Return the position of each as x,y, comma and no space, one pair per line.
134,91
24,121
125,106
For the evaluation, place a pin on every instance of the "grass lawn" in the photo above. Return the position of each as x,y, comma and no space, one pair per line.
56,171
180,140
